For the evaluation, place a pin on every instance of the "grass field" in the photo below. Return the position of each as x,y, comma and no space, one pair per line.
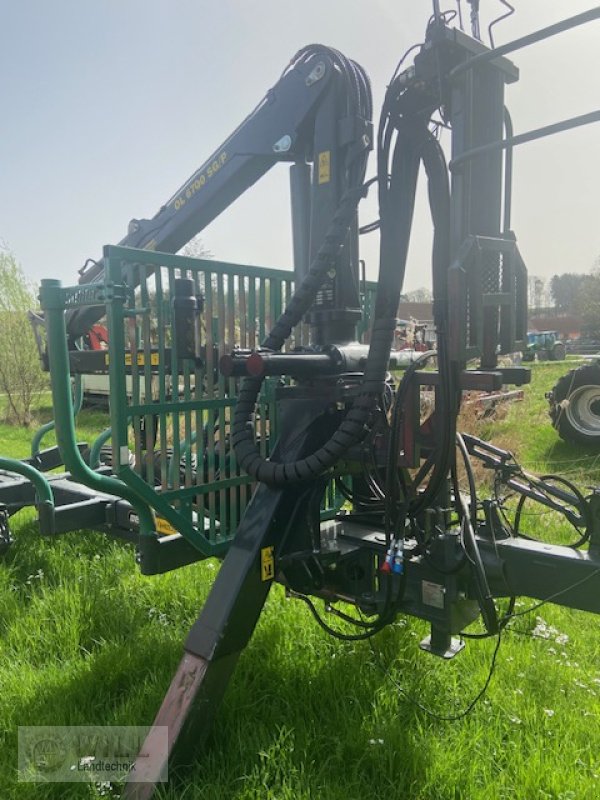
84,639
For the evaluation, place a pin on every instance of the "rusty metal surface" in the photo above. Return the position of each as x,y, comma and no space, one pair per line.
152,761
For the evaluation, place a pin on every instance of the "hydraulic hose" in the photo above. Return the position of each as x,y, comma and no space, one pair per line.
397,201
413,144
358,100
449,394
246,450
394,249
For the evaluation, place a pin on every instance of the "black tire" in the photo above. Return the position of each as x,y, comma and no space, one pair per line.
558,352
575,405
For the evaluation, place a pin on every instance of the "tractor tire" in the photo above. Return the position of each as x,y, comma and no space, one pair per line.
575,405
558,352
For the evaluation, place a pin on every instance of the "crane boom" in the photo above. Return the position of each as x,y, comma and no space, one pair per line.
308,116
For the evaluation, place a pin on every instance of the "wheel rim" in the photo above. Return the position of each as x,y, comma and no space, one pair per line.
583,410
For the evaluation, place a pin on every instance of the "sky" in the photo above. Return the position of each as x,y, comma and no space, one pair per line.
108,106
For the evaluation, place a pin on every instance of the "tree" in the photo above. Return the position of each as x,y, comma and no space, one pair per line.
586,304
564,290
21,377
422,295
196,248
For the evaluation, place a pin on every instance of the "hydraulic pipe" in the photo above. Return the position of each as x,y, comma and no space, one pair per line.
97,446
49,426
333,362
45,498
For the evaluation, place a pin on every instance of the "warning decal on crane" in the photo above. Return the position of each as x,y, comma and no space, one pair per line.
325,166
267,563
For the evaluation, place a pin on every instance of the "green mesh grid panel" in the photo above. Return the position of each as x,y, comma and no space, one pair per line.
171,416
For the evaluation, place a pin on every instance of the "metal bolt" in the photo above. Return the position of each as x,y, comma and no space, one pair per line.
316,74
283,145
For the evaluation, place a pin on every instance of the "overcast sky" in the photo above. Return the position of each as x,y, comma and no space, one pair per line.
108,106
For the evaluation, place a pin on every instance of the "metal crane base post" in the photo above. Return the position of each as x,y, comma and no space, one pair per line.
232,609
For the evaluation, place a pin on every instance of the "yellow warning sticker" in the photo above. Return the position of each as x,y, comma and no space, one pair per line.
154,359
267,563
140,360
164,527
325,166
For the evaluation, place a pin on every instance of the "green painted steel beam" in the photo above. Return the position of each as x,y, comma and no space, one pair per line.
49,426
167,434
58,356
179,406
45,498
158,259
97,445
122,414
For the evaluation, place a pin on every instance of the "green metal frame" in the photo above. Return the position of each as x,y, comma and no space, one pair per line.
173,413
54,300
44,496
179,413
97,445
41,432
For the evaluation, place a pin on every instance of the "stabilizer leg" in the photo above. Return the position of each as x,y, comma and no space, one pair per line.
213,647
187,710
231,611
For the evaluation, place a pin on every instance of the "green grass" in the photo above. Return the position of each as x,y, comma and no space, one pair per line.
15,442
84,639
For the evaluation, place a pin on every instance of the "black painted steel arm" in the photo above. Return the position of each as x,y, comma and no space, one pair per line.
281,128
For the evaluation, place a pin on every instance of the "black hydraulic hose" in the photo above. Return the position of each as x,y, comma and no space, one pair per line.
358,101
581,505
394,249
247,453
436,169
449,397
439,202
439,199
469,520
484,595
395,228
470,477
396,194
391,495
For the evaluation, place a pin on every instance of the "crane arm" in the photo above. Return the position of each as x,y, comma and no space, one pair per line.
316,112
